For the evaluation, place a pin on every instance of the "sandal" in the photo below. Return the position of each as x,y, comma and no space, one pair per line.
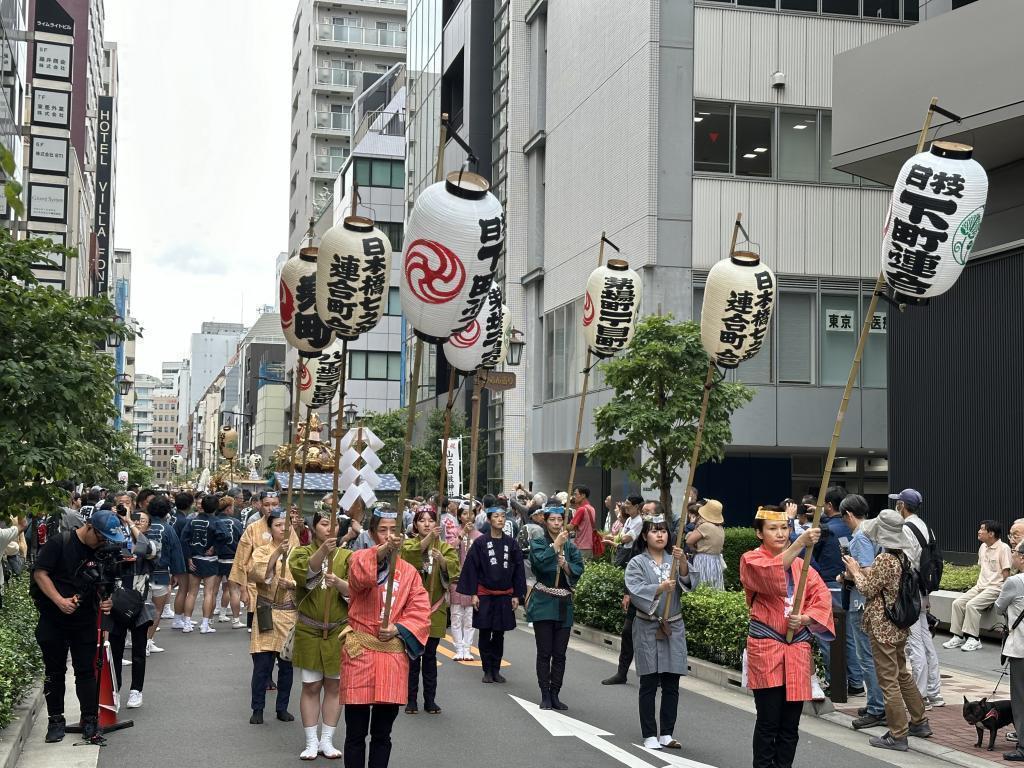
411,709
432,709
673,745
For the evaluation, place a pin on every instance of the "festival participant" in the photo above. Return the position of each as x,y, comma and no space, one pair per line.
550,603
317,649
256,534
659,636
232,530
495,578
200,537
375,655
275,617
779,674
462,606
438,565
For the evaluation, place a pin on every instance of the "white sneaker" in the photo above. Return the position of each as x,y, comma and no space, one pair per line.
168,612
953,642
188,626
971,644
134,699
206,629
328,750
224,618
178,623
152,647
237,624
652,742
936,701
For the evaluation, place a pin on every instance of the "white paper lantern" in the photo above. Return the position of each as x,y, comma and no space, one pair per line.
228,442
352,277
300,323
319,376
738,301
610,307
452,244
934,218
482,344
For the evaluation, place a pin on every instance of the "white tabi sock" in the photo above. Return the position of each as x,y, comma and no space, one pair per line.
312,744
327,742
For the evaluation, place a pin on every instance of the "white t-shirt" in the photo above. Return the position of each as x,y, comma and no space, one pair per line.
632,527
913,547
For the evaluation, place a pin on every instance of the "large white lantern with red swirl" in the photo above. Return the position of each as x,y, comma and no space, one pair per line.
933,220
352,277
300,323
452,244
610,307
319,376
738,301
482,344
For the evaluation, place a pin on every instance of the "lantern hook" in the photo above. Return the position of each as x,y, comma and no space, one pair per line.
609,242
311,230
453,134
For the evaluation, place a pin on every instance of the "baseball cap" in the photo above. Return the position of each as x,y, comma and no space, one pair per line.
107,523
908,496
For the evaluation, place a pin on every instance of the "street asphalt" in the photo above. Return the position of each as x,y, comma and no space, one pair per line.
196,712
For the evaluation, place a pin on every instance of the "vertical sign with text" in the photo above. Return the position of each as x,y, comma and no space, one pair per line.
104,191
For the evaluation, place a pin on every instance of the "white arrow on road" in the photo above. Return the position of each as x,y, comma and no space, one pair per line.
558,724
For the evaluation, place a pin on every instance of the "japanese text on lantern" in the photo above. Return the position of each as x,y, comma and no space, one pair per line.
308,325
492,333
350,277
492,235
747,316
616,314
328,373
913,258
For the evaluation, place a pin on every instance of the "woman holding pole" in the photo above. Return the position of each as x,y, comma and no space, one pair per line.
438,565
317,649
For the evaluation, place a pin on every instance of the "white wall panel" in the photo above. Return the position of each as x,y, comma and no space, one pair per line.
873,204
707,213
846,231
764,56
735,198
819,231
792,237
707,37
734,56
818,64
792,42
762,220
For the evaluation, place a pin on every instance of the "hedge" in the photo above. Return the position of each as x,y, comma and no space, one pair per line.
598,599
737,541
21,663
958,578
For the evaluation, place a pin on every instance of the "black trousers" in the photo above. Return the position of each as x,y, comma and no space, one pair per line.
626,642
428,661
375,719
669,703
777,728
492,648
117,637
56,639
262,669
552,640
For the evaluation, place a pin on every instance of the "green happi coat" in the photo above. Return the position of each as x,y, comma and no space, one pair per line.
542,606
436,585
312,651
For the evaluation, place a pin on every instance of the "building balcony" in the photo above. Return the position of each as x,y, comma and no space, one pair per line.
329,165
337,79
372,39
383,6
333,123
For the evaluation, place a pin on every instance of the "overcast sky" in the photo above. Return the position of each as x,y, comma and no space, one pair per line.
202,161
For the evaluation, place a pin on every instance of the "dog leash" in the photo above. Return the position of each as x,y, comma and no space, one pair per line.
1000,680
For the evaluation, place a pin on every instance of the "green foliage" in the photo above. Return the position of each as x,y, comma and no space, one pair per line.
21,663
598,599
958,578
737,541
659,386
57,389
390,428
12,187
123,457
716,625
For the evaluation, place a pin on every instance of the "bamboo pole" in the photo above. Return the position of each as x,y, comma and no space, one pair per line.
474,432
411,419
826,477
291,452
305,458
447,432
334,484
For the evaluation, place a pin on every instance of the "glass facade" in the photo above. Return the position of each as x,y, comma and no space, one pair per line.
423,97
13,71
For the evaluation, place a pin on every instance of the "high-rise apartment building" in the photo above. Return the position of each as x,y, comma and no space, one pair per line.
13,79
164,438
146,388
339,49
209,350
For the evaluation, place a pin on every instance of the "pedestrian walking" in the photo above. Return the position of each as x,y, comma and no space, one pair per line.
659,636
881,585
707,540
994,563
375,656
231,530
495,579
275,617
256,534
557,565
201,536
463,633
319,570
169,564
438,565
778,671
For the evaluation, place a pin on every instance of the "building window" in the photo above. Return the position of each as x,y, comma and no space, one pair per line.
394,302
754,141
874,369
395,232
380,173
562,352
798,145
712,137
795,338
375,366
871,9
838,331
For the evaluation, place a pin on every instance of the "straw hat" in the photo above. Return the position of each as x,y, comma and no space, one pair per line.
712,511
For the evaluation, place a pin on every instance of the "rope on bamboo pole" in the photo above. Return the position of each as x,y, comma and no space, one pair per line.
294,444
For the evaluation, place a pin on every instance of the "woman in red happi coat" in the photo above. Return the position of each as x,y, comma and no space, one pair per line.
779,672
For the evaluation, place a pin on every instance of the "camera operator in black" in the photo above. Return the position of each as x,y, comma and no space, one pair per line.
68,598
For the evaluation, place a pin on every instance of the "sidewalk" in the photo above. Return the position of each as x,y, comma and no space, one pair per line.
973,675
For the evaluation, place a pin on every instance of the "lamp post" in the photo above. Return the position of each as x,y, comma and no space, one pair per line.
516,343
114,338
124,383
351,415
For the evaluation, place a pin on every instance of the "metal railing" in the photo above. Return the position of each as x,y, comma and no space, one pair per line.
345,78
338,33
334,121
330,164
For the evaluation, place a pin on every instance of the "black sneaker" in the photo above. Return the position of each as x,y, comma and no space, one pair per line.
615,679
922,730
868,720
862,711
1017,756
55,729
888,741
90,728
854,691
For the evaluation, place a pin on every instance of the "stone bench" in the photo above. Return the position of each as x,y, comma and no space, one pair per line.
942,609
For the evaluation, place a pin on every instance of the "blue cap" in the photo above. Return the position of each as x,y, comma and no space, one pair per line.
107,523
908,496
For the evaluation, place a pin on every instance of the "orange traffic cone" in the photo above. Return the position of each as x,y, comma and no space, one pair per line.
110,700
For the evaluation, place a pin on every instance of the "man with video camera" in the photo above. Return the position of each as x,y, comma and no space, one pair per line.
68,588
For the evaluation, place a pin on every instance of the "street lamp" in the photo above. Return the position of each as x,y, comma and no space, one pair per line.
124,383
351,415
515,347
114,338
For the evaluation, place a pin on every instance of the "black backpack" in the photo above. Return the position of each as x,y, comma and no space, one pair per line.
930,569
906,609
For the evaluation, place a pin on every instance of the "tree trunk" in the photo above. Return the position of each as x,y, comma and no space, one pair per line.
665,484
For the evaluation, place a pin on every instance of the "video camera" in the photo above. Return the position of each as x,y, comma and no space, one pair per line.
107,563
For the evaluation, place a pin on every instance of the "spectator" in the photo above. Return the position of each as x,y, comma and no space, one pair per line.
854,509
880,585
924,661
624,553
994,561
1011,603
9,537
828,562
584,523
707,541
610,512
1016,536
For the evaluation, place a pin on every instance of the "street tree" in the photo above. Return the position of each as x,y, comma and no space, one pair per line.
649,426
389,426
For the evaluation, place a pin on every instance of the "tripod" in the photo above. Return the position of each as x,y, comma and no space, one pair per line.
107,721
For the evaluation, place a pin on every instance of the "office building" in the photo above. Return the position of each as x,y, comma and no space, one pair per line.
146,386
164,439
209,351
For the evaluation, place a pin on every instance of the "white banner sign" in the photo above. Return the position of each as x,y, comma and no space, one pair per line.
49,155
51,108
840,320
453,466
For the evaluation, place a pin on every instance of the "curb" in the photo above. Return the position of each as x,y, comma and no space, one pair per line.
14,736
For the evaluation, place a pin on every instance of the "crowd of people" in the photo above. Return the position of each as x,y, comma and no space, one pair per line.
356,605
